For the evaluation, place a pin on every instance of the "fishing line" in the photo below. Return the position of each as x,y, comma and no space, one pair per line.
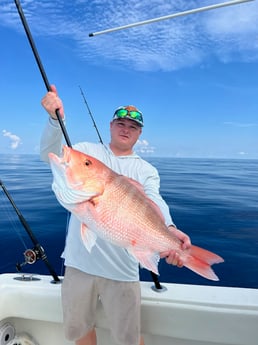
12,221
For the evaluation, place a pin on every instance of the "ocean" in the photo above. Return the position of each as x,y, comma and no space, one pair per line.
215,201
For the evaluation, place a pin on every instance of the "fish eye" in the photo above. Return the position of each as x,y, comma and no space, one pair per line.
88,162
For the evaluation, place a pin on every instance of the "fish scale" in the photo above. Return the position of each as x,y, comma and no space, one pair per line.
127,199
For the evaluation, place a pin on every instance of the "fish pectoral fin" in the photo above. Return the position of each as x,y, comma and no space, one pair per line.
88,237
147,259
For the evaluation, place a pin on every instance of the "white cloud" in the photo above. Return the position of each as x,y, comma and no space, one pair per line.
228,33
15,140
143,147
242,153
239,124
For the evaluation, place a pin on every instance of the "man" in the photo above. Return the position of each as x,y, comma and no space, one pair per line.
108,273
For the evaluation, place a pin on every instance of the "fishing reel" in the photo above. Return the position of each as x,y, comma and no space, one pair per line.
30,257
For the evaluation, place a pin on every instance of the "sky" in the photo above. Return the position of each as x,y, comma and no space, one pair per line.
194,77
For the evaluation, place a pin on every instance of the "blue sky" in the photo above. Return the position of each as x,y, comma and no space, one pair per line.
195,78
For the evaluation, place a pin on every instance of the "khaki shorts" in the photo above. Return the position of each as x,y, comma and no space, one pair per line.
121,302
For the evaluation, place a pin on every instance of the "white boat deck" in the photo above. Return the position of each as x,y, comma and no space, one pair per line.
182,315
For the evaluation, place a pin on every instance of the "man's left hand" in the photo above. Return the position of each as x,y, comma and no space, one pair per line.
172,257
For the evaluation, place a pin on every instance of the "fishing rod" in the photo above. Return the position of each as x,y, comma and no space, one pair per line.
44,76
30,255
157,287
184,13
41,68
90,113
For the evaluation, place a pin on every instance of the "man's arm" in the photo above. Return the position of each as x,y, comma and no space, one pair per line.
51,139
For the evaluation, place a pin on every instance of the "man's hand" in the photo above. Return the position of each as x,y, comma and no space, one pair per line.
172,257
51,102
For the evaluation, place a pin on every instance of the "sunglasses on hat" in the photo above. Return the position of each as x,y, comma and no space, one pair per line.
135,115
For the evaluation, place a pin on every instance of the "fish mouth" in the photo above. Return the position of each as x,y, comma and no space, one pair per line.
60,165
66,155
66,191
62,162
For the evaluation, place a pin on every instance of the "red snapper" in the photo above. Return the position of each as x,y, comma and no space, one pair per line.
115,208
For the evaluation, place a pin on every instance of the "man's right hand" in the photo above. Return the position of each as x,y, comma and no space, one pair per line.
51,102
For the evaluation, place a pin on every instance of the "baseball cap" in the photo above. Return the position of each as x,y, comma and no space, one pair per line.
129,112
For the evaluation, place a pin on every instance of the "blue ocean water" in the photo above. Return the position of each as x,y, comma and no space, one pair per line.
215,201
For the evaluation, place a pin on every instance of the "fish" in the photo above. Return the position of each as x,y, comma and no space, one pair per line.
115,208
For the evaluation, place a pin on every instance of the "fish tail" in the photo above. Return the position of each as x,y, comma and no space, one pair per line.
200,261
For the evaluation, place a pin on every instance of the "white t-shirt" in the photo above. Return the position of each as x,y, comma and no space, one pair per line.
105,260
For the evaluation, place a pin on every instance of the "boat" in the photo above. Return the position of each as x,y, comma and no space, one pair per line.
175,314
171,314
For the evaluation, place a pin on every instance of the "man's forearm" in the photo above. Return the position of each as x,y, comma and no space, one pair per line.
51,140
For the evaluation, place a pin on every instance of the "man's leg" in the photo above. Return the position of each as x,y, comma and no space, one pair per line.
79,301
122,305
91,339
